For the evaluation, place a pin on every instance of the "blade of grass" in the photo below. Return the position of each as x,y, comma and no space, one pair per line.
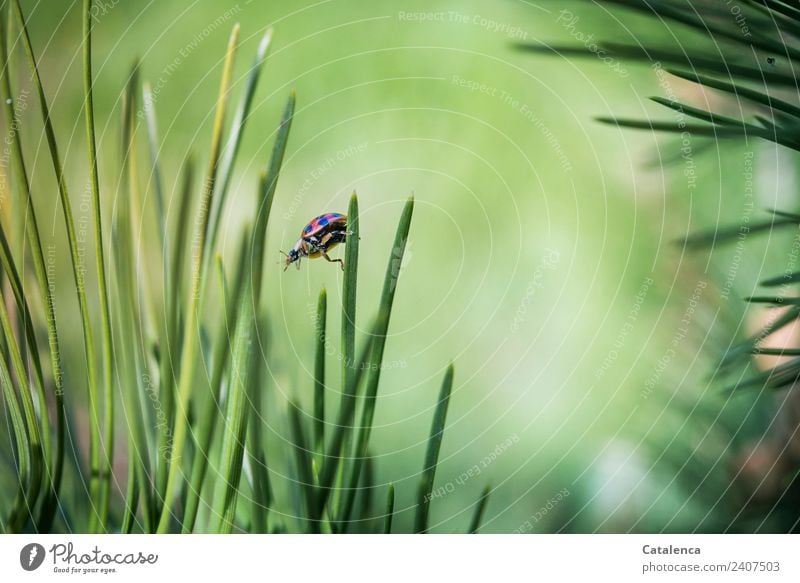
100,481
781,376
219,361
692,20
105,312
676,58
132,354
349,292
21,507
776,351
232,454
148,295
131,496
343,426
774,300
432,455
792,313
45,285
480,507
702,114
367,489
375,362
794,217
675,127
348,325
148,106
740,91
729,234
319,372
30,424
171,347
175,476
231,149
26,398
172,263
389,513
264,207
262,491
9,345
303,461
236,418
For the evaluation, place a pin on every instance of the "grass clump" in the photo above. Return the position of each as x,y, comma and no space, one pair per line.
191,455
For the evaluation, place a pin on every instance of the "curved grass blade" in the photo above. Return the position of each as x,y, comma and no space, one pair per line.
232,454
703,115
21,507
9,346
30,425
191,340
774,300
740,91
776,351
206,427
791,314
100,481
171,348
675,127
270,183
367,488
132,356
707,26
233,438
131,496
105,312
148,106
389,513
676,58
480,508
231,149
779,377
729,234
43,280
432,455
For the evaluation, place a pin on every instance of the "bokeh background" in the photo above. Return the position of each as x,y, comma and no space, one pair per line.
541,261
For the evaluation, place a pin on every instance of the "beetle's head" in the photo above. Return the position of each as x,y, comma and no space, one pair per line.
293,256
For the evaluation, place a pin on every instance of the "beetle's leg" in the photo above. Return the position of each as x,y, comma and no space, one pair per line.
339,261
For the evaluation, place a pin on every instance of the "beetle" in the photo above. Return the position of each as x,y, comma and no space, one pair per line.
318,237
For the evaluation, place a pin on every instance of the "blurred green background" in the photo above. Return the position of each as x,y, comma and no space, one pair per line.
540,259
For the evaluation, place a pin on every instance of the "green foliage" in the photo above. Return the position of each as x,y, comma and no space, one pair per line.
194,444
747,52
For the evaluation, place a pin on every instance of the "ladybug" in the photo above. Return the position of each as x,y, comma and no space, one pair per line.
317,238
